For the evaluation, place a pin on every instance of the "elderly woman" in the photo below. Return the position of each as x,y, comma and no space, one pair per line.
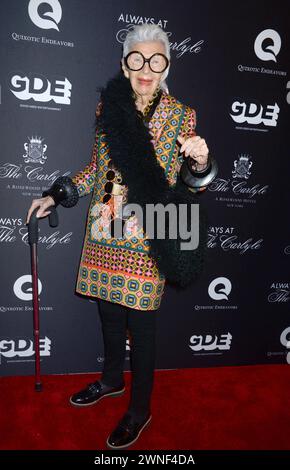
142,135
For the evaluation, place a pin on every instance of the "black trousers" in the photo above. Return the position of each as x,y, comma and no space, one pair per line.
141,324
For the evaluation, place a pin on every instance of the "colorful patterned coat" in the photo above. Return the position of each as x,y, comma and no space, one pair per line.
120,269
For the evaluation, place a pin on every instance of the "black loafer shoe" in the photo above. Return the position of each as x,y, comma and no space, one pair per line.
93,393
127,432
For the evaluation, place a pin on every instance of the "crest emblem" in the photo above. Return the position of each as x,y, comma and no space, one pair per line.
242,167
35,150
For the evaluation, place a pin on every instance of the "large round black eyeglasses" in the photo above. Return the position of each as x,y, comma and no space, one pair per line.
157,62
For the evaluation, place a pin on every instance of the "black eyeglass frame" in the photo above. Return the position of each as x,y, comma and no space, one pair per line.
146,60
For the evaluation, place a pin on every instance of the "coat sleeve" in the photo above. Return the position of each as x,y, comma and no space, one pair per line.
188,125
85,179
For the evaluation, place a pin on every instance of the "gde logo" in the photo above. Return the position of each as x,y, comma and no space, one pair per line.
220,288
23,287
211,342
271,51
255,113
41,22
24,347
40,89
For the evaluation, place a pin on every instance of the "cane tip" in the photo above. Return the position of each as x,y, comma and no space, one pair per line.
38,387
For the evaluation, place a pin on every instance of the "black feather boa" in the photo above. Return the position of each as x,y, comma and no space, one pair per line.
134,156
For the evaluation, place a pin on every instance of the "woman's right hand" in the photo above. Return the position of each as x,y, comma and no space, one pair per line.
43,204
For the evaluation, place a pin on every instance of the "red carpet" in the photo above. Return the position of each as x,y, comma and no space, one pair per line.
213,408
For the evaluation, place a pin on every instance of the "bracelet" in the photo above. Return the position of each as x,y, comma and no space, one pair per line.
63,191
197,179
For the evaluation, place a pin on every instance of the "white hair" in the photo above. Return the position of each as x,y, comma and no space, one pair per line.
148,32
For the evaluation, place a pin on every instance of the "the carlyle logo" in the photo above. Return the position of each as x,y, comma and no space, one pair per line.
23,287
11,229
263,49
23,348
8,228
226,239
184,46
14,172
254,113
209,342
279,292
48,19
220,288
41,89
34,159
242,167
35,150
241,173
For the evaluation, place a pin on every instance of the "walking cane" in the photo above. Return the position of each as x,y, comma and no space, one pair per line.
33,240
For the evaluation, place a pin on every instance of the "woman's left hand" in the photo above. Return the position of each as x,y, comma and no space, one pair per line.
196,148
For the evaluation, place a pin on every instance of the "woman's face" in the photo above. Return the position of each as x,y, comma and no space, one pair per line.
144,82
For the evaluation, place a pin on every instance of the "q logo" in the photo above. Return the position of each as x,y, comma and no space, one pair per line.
285,341
23,287
223,291
288,95
271,51
41,22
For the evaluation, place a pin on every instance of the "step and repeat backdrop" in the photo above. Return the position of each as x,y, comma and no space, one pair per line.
230,62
